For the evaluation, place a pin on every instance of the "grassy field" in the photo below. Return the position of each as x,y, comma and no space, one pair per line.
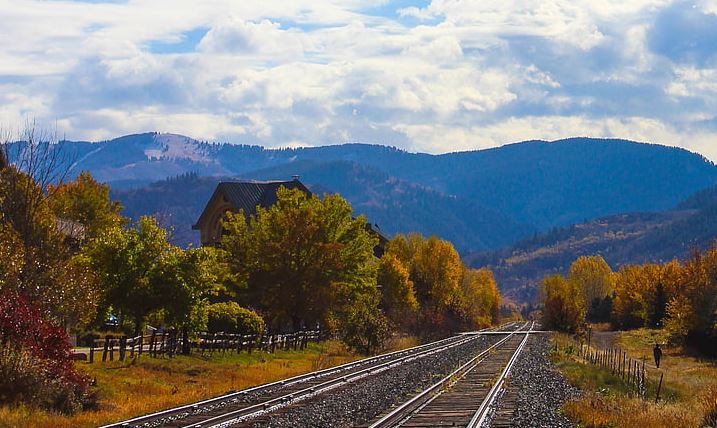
688,397
149,384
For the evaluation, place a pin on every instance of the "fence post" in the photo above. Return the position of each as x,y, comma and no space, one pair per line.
171,343
104,348
659,387
643,385
122,347
92,352
112,349
152,345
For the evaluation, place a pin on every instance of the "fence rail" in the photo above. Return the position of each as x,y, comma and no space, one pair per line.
171,343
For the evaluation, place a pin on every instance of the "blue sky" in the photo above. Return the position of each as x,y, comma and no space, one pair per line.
434,76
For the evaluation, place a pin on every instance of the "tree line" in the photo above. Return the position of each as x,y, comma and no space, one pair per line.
679,297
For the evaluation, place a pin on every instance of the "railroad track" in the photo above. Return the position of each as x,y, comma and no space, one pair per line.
467,397
241,406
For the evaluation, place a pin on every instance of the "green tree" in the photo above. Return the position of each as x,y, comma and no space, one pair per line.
302,259
128,263
186,279
364,328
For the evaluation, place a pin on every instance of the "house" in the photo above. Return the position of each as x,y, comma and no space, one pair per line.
247,196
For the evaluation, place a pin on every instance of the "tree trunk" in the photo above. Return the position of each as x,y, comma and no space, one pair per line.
186,349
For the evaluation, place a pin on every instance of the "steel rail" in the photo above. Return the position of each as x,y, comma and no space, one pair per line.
404,411
188,408
482,413
245,413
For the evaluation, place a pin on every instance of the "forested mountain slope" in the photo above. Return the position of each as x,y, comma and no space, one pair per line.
392,204
621,239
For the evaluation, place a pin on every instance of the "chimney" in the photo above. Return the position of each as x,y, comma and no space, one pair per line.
295,177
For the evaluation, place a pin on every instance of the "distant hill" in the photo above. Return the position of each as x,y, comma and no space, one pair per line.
481,199
621,239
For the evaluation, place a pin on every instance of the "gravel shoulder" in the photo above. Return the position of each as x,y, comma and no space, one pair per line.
540,388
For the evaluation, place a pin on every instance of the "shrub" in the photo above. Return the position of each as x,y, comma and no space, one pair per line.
229,317
35,360
365,327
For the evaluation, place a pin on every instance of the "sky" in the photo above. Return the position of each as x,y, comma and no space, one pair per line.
431,76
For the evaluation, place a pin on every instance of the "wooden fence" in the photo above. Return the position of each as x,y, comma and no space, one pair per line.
170,343
632,372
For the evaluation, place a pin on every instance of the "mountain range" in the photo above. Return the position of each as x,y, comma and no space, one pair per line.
499,206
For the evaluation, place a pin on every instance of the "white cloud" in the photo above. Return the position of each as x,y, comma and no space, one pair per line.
264,38
455,74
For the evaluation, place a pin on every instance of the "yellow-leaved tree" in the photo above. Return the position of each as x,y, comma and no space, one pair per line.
563,307
398,297
596,281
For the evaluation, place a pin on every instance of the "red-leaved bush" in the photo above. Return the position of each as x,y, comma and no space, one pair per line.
35,362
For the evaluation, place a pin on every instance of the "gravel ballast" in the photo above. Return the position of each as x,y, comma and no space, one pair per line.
541,389
361,402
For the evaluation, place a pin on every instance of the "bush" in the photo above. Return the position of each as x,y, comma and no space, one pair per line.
25,379
35,360
229,317
365,327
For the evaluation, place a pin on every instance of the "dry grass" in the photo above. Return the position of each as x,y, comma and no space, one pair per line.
146,385
689,391
600,410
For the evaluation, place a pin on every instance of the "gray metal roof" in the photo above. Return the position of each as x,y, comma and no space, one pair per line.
247,195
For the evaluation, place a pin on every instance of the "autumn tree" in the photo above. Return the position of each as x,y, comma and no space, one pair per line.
398,297
450,296
436,271
563,307
595,279
303,260
693,308
405,247
86,202
49,275
480,298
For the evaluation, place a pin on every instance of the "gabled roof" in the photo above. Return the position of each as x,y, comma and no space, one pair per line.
247,195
